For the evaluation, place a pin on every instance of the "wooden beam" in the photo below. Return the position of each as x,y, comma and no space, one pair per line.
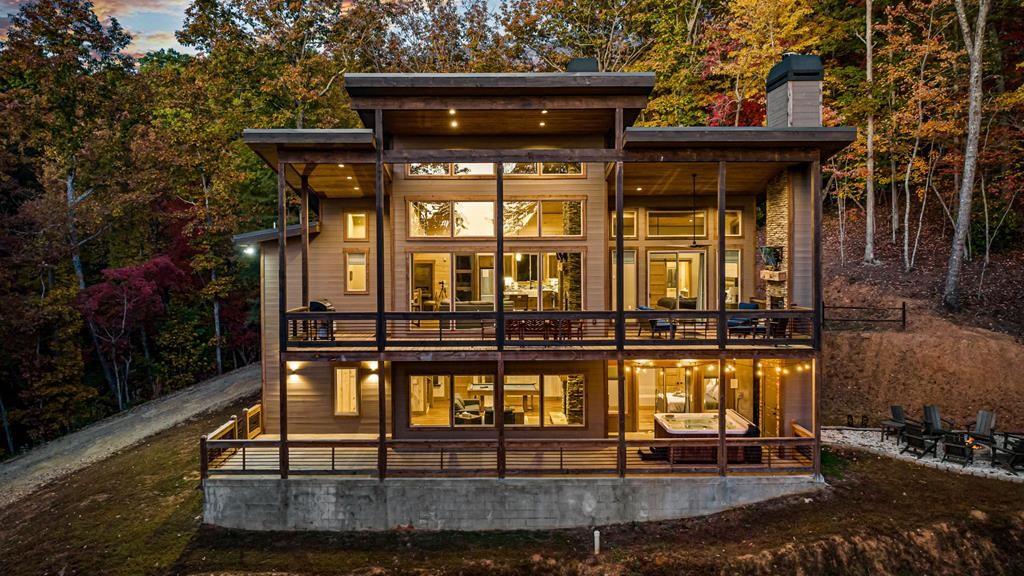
620,282
816,386
304,225
501,155
723,333
282,308
326,156
816,206
378,192
382,420
499,256
499,413
620,383
723,456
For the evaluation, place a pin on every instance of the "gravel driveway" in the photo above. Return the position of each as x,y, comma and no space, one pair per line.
23,474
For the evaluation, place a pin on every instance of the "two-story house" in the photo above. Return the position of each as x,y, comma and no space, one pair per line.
502,305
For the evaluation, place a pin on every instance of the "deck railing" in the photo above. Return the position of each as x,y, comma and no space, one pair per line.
559,330
520,457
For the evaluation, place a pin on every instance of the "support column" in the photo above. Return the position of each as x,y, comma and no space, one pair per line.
620,284
378,193
499,413
722,332
621,385
304,225
819,310
723,456
382,420
499,256
282,305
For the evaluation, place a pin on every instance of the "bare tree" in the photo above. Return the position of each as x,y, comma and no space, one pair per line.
869,220
974,44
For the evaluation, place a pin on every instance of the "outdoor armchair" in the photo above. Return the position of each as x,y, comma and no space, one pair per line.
919,441
1010,454
895,424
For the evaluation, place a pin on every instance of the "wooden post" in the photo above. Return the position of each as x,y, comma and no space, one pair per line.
621,385
499,412
723,457
620,317
722,332
499,256
382,420
903,316
204,459
819,300
816,384
304,225
282,303
378,192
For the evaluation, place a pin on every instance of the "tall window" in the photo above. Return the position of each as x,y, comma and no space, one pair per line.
564,399
734,223
355,226
675,280
732,277
430,401
355,272
443,281
543,281
346,391
676,223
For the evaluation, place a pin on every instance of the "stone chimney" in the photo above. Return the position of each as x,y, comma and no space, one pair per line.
794,92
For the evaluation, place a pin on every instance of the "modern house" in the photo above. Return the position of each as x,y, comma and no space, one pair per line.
502,305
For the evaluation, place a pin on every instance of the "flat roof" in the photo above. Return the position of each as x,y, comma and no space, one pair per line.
827,139
270,234
360,85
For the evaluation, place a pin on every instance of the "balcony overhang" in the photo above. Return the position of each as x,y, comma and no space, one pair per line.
256,237
305,150
534,105
827,141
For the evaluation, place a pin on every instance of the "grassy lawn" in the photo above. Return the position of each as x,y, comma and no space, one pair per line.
138,513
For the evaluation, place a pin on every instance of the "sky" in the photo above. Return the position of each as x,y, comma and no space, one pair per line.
152,23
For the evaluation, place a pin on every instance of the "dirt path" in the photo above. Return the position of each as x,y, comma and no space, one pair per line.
25,473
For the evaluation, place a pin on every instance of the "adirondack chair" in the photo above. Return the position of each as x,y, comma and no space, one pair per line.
919,440
1010,454
958,446
982,430
934,423
895,424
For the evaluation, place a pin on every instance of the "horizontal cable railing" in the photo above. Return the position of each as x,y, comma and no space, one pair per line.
522,457
553,329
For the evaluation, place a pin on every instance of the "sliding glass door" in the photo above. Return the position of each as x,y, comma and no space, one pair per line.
676,280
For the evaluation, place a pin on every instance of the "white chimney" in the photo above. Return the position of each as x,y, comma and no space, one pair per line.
794,92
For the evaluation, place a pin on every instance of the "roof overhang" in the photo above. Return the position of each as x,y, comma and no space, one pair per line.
271,234
314,153
515,84
827,140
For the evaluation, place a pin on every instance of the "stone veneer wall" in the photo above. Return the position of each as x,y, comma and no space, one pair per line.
777,228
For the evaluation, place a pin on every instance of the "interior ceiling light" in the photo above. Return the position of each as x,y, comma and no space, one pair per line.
341,165
451,111
543,111
639,188
455,123
348,177
542,124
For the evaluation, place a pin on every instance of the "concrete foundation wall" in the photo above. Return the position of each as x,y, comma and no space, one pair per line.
341,504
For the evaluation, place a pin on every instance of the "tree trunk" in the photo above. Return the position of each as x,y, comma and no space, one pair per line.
213,276
869,193
7,427
974,42
76,264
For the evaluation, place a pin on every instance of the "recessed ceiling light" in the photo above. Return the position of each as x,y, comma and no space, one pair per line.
341,165
543,124
356,188
455,123
639,188
348,177
543,111
451,111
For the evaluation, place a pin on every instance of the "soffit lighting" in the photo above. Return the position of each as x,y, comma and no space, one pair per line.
455,123
543,124
341,165
348,177
451,111
543,111
639,188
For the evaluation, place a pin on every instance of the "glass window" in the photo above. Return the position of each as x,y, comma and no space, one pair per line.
429,169
564,399
733,223
676,223
520,168
430,401
355,272
431,276
346,392
562,287
355,226
628,224
629,273
522,280
675,280
474,169
561,168
474,285
473,400
561,218
520,219
430,219
522,400
732,277
474,218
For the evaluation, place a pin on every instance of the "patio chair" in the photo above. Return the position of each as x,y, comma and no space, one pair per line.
958,446
934,423
982,430
919,441
657,325
742,325
1010,454
895,424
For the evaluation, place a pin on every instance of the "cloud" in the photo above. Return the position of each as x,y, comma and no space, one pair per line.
122,8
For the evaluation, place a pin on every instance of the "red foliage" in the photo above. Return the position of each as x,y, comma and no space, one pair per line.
722,111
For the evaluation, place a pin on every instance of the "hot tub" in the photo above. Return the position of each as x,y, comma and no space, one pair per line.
703,425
